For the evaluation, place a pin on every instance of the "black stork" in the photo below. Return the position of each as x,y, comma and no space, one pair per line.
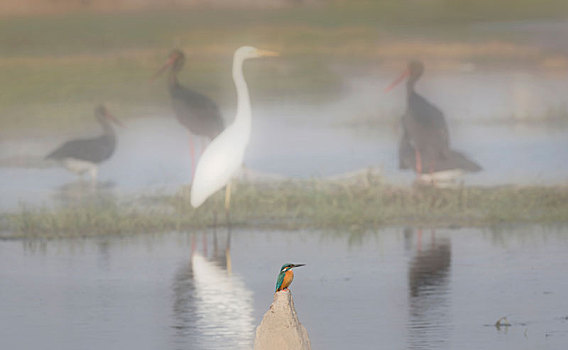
197,112
425,142
84,155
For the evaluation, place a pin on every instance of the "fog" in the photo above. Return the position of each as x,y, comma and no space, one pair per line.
424,212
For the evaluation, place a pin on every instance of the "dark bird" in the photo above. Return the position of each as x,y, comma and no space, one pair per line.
197,112
425,142
429,291
83,155
286,276
430,267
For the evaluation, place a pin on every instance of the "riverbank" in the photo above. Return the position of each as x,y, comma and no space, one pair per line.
363,202
54,69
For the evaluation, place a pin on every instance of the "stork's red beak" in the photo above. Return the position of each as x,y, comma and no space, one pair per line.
113,119
398,80
168,63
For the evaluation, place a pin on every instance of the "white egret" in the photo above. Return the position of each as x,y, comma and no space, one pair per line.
224,155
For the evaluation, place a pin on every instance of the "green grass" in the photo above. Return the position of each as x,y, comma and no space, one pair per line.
54,69
308,28
311,204
65,91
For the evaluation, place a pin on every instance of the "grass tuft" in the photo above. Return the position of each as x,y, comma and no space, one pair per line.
307,204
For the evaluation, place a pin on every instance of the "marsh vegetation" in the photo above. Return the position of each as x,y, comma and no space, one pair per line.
362,205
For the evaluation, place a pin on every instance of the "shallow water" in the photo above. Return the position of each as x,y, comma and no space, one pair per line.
332,138
396,288
525,156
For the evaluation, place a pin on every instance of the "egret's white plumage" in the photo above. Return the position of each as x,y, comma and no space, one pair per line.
224,155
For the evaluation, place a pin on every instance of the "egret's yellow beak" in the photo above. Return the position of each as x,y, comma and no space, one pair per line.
267,53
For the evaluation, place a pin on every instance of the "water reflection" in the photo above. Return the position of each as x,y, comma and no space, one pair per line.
184,307
429,324
211,305
104,254
421,292
81,192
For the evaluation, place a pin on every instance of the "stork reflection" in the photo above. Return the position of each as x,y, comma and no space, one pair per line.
212,306
428,290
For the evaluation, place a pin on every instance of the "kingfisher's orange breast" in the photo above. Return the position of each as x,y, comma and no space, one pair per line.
288,277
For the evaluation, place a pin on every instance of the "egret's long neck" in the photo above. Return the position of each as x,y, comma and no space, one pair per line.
243,99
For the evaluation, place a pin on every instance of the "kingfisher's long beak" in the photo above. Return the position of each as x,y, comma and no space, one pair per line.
298,265
267,53
398,80
168,63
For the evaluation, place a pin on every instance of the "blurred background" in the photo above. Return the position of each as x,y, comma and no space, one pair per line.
497,69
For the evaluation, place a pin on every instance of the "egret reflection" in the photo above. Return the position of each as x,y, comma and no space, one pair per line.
210,302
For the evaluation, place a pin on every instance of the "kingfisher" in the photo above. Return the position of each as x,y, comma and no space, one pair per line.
285,276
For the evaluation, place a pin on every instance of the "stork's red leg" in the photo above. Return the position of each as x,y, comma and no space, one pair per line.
192,154
431,168
418,162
